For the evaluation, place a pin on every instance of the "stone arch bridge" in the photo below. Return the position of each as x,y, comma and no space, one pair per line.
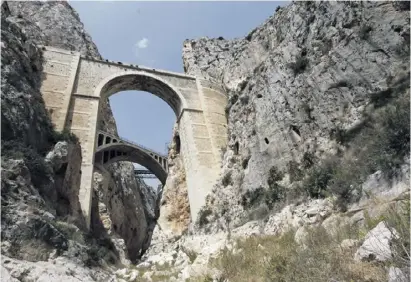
74,85
111,148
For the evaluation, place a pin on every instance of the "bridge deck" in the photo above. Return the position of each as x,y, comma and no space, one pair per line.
135,144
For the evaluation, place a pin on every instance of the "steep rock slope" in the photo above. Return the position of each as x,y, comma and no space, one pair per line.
41,218
174,206
24,118
295,83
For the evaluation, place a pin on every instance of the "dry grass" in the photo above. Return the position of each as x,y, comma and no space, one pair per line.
280,258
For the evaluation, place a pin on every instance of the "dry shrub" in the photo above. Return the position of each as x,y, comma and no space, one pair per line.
280,258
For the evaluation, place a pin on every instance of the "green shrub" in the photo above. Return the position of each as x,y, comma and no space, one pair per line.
308,160
364,31
275,192
226,180
380,142
65,135
244,100
202,216
315,185
294,171
299,65
270,196
251,197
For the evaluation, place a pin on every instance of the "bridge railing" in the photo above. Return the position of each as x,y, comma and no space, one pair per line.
143,147
125,140
144,173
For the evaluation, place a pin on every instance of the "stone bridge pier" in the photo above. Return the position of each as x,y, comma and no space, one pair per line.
73,86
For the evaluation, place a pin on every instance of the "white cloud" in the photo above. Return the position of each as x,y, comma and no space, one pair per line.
142,44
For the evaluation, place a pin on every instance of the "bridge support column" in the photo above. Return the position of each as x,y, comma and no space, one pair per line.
200,165
82,121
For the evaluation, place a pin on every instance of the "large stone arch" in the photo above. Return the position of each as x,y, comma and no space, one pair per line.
142,81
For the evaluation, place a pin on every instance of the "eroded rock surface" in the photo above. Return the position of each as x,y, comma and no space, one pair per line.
306,72
174,206
40,194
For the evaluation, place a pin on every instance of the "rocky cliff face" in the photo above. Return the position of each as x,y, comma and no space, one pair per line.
319,98
40,168
306,74
41,223
174,206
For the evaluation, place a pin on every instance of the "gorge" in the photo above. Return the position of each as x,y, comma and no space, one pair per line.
295,132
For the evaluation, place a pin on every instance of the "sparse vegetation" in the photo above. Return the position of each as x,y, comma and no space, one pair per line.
192,255
294,171
280,258
251,197
380,142
203,216
326,46
99,249
274,193
364,31
300,64
244,100
308,160
226,180
65,135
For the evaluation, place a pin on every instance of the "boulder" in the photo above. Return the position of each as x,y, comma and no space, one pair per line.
376,245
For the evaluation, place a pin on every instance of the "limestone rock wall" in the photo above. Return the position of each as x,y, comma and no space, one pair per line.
55,23
65,160
307,70
174,206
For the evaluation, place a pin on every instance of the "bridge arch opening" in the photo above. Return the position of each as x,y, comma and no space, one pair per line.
142,82
122,82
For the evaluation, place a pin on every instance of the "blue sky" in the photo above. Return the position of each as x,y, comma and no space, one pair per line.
152,34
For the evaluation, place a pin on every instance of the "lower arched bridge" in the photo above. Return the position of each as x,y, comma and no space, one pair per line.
111,148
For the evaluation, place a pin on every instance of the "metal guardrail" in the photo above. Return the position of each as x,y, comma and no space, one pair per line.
143,147
146,176
142,171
